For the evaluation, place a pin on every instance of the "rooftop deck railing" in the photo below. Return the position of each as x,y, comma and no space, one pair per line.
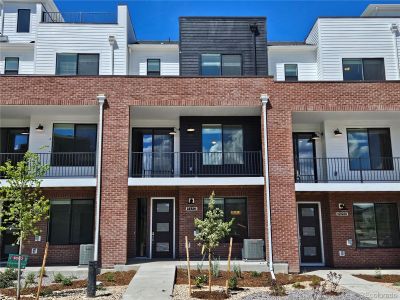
192,164
79,17
338,169
61,164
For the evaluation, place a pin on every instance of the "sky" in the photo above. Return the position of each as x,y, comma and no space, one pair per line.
286,20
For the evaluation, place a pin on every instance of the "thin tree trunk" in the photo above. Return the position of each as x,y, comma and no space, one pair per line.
19,270
209,271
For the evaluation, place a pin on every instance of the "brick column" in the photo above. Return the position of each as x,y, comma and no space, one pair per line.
282,189
114,194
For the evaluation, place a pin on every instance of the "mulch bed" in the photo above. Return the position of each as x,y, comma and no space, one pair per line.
383,278
117,279
207,295
247,280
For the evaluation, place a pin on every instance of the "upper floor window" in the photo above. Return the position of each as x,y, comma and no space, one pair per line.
376,225
370,149
222,144
221,64
291,73
11,66
24,20
363,69
153,67
77,64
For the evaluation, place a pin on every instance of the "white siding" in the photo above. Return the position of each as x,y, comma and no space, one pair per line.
355,38
167,53
306,71
25,55
11,19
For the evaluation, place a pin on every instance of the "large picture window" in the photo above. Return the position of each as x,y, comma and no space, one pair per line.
222,144
221,64
233,208
376,225
77,64
370,149
71,222
74,144
363,69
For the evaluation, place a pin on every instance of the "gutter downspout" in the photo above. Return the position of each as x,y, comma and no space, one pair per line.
101,98
264,101
395,30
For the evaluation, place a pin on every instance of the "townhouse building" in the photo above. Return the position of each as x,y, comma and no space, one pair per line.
299,141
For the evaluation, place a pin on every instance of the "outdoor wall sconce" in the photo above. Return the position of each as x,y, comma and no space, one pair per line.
174,131
337,132
190,130
40,128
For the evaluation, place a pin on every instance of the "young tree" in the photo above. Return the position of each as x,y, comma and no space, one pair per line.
211,230
24,206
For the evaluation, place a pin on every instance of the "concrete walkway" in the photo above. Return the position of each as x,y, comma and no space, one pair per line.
365,288
153,280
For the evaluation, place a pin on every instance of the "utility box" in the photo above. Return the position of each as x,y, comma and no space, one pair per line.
86,253
253,249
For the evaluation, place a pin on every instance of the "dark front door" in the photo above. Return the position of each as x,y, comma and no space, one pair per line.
304,157
162,235
310,233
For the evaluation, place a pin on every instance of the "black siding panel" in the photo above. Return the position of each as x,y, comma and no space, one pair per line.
229,35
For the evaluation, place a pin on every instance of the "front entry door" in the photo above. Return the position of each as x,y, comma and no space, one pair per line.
304,157
162,225
310,233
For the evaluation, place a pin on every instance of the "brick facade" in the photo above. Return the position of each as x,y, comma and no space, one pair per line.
126,92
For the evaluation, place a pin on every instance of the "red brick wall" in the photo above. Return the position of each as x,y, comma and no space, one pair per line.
337,230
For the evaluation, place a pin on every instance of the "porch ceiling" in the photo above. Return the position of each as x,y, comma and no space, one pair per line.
318,117
26,111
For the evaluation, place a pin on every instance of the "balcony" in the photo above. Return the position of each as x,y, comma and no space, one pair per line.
351,170
61,164
79,17
196,164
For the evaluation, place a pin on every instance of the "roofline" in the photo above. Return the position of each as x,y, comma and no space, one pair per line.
222,17
155,43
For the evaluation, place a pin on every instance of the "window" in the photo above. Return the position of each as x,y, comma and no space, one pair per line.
376,225
221,64
222,144
77,64
291,73
11,66
370,149
71,222
233,208
24,20
76,138
153,67
363,69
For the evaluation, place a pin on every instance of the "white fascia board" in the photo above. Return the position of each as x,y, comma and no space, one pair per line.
195,181
63,182
348,187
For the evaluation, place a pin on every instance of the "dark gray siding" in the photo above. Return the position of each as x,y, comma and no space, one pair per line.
229,35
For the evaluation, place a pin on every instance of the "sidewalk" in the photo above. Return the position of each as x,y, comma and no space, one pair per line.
369,289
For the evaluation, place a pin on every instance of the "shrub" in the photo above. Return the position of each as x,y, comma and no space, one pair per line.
110,277
237,270
7,278
46,292
298,285
396,283
30,279
378,273
233,283
255,274
334,279
67,281
277,289
315,281
215,268
58,277
200,280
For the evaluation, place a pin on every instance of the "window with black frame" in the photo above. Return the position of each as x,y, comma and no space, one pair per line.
291,72
233,208
77,64
153,67
11,66
24,20
363,69
222,144
71,222
221,64
74,144
376,225
369,149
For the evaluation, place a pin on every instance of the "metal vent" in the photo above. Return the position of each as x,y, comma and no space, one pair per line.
86,254
253,249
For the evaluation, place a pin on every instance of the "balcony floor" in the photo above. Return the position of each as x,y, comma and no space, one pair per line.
195,181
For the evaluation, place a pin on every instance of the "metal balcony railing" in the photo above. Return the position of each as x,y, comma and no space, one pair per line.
338,169
79,17
61,164
192,164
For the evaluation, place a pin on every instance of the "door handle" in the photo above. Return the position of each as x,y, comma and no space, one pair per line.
152,236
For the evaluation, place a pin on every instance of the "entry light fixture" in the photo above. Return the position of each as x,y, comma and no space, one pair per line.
315,136
25,132
40,128
173,131
190,130
337,132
